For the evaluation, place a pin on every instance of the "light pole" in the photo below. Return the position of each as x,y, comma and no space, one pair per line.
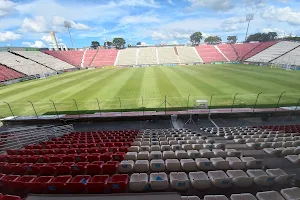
68,25
249,17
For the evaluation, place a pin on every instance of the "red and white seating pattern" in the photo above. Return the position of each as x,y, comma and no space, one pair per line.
209,54
71,57
228,51
261,47
105,58
8,74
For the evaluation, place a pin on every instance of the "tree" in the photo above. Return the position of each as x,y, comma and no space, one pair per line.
262,37
139,43
213,40
231,39
196,37
108,44
95,44
119,43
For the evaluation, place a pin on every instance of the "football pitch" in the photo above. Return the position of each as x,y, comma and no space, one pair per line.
147,87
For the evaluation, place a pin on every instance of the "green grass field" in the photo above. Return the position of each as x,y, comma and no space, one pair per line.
147,87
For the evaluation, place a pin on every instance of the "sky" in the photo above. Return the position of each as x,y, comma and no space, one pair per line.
28,23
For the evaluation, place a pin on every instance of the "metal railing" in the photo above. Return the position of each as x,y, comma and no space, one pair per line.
17,138
162,103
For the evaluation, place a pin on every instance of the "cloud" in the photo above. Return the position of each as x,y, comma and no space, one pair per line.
7,7
47,39
40,24
170,2
141,3
216,5
140,19
38,44
282,15
232,24
9,36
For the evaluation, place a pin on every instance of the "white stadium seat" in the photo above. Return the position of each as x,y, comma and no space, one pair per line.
240,178
155,155
270,195
157,165
204,164
193,154
200,180
215,197
172,165
219,153
252,163
141,166
190,198
126,166
293,158
168,155
133,149
291,193
138,182
188,165
244,196
181,154
219,179
220,163
131,156
261,178
143,155
179,181
159,181
206,153
281,176
236,163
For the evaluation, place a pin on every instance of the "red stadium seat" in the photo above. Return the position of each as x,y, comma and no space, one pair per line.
78,184
106,157
6,181
21,168
119,156
21,183
49,169
10,197
94,168
93,150
92,158
64,168
123,149
79,168
58,184
34,169
97,184
43,159
68,158
110,167
3,166
118,183
38,185
55,159
81,158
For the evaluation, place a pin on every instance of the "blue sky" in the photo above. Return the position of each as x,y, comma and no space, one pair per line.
28,22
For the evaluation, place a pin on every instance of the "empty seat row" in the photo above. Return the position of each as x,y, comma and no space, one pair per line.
281,151
128,166
84,157
96,167
66,183
286,194
179,154
68,151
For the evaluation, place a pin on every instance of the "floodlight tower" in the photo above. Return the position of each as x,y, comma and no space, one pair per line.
249,18
68,25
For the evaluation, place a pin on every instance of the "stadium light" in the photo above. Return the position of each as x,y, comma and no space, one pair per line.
68,25
249,17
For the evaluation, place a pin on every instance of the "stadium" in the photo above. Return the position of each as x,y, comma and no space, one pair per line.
207,119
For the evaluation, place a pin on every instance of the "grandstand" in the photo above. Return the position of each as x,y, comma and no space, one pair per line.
209,54
167,55
8,74
104,58
147,56
23,65
71,57
127,56
188,55
229,51
274,52
290,58
45,59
